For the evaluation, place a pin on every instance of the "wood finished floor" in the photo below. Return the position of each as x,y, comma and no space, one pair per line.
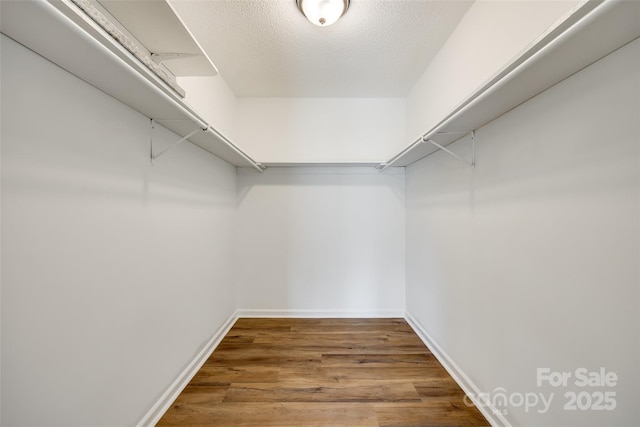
322,372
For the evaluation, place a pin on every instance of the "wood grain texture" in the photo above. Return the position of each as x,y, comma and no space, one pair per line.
322,372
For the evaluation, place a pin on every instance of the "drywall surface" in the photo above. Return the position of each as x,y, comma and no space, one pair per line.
213,100
115,272
489,36
321,240
321,129
530,261
0,247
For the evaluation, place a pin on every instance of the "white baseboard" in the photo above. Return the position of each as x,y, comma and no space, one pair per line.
320,313
156,412
491,413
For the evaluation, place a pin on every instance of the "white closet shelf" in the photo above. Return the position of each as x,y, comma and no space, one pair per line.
320,164
158,27
590,32
75,43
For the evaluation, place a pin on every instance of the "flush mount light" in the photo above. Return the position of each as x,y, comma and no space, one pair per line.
323,12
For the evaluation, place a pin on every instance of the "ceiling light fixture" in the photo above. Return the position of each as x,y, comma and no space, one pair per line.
323,12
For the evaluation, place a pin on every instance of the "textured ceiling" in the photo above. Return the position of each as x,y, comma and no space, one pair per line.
266,48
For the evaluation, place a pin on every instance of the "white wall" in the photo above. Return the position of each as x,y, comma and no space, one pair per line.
321,240
0,244
530,260
489,36
115,272
214,101
321,129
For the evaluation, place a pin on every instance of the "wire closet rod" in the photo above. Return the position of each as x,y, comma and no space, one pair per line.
215,133
254,164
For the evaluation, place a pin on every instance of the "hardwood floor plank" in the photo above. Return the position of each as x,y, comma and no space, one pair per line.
272,324
406,339
438,387
440,414
193,401
277,415
263,357
326,346
351,325
211,374
322,392
236,338
358,373
379,360
324,340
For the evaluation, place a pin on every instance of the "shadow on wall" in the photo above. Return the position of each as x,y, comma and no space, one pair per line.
77,167
320,176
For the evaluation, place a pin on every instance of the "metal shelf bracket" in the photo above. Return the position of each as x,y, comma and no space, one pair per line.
155,156
472,162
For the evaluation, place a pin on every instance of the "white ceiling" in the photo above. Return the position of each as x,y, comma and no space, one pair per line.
266,48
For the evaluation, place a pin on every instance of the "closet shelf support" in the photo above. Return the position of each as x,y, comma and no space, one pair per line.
155,156
453,133
471,163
